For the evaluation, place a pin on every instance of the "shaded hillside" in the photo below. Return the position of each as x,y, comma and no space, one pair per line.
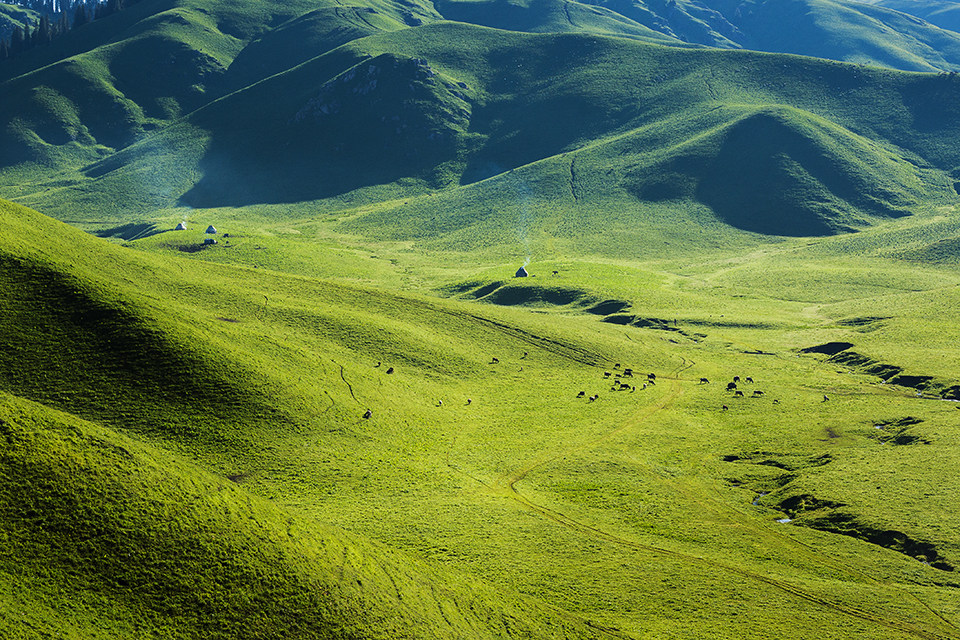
96,522
113,360
382,103
12,16
550,16
943,13
784,172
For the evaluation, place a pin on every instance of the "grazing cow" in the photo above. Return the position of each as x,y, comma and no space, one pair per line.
524,355
439,403
725,407
704,381
825,398
736,378
775,401
495,361
651,381
749,379
651,376
628,373
378,363
616,366
632,389
606,374
738,394
581,394
644,385
368,414
390,370
469,400
624,386
757,392
555,272
731,386
594,397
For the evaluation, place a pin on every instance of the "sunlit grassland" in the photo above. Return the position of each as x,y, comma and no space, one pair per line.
652,510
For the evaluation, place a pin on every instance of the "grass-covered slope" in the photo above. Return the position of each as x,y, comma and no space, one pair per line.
943,13
106,376
398,114
176,105
12,16
109,536
847,31
549,16
201,484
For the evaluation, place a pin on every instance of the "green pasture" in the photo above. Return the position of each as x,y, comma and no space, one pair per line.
651,511
347,417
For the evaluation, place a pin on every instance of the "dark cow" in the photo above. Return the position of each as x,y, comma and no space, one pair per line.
704,381
368,414
581,394
738,394
606,374
749,379
731,386
757,392
651,376
736,378
495,361
628,373
725,407
390,370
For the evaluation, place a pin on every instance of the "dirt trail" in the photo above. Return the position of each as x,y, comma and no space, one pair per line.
937,628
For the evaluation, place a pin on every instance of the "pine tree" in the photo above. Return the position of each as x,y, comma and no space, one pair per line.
113,6
4,49
17,41
80,15
63,24
43,34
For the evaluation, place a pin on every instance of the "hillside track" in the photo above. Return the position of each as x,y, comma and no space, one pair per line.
506,486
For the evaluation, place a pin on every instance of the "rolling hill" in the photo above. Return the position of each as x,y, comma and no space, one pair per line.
721,403
404,112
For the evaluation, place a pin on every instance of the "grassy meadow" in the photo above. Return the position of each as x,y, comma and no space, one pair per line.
242,372
348,418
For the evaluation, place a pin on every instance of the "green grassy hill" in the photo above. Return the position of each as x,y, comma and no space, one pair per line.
944,14
138,522
187,453
348,418
590,120
12,16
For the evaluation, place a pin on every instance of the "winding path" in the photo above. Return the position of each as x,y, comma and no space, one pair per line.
506,485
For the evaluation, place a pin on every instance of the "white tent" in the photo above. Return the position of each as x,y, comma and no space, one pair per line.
181,226
521,273
211,229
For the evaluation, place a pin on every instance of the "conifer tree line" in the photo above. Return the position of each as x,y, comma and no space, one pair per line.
57,17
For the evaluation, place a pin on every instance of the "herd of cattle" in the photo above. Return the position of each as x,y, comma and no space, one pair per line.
618,378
